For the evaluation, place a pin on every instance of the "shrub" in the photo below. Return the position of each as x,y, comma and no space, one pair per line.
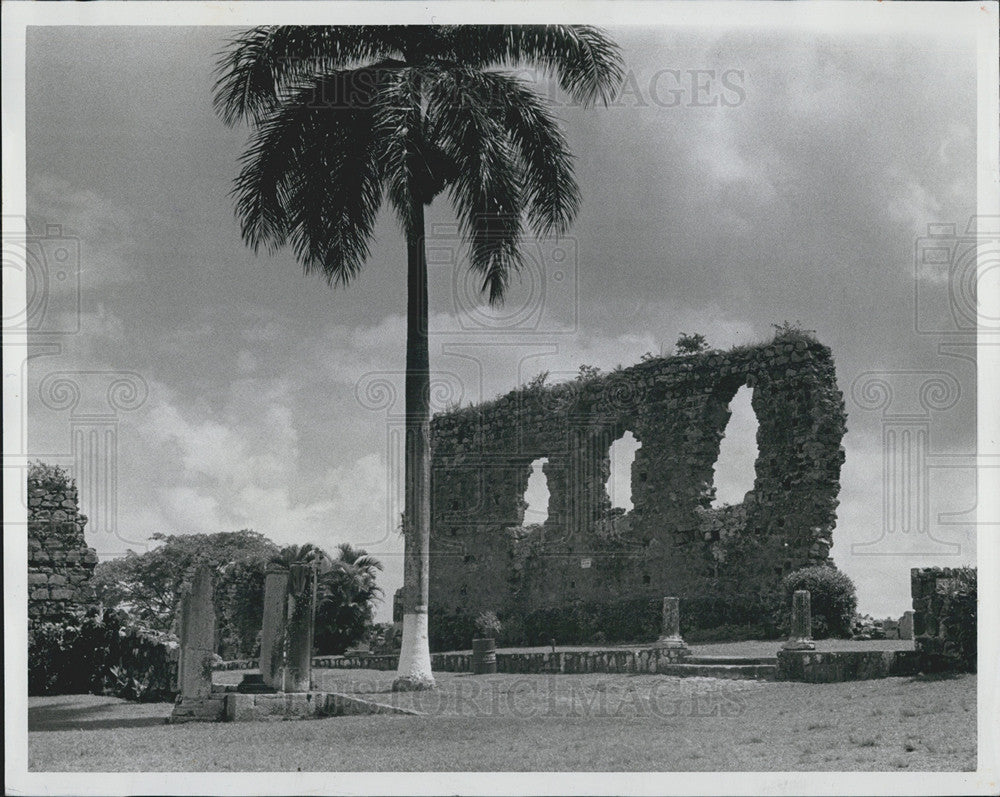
691,344
833,600
487,625
637,620
97,652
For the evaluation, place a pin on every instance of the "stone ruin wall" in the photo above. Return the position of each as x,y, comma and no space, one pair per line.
929,587
672,542
60,565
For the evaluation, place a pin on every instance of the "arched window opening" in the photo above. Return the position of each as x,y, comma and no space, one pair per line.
536,496
619,484
736,467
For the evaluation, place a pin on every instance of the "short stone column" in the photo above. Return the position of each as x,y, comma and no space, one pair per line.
300,629
272,633
800,637
196,625
906,626
670,636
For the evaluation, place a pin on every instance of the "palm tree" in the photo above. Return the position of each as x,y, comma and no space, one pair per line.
347,592
345,116
358,557
301,555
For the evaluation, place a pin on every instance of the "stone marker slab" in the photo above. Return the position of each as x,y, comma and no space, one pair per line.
272,636
197,637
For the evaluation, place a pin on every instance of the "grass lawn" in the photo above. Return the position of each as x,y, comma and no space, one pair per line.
540,722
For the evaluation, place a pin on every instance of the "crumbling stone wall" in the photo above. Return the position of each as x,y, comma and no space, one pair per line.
60,565
944,614
672,542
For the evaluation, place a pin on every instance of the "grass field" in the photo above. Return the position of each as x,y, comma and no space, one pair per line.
541,722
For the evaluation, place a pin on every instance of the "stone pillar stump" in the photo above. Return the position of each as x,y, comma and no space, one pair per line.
906,625
800,637
670,637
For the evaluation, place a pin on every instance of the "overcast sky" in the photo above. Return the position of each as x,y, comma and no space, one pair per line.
746,177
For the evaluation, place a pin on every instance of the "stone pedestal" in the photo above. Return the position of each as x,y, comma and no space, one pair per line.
272,636
670,637
801,634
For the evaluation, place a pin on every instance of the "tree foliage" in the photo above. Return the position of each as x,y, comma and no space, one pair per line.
345,117
147,586
346,597
691,344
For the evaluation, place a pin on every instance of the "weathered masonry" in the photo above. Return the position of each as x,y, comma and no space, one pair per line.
60,565
592,568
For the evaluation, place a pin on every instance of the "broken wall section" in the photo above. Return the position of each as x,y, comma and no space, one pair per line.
672,542
60,565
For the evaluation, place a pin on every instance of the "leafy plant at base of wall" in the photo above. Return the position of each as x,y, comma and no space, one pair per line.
832,598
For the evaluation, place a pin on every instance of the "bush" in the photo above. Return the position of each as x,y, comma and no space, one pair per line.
630,620
833,600
97,652
691,344
487,625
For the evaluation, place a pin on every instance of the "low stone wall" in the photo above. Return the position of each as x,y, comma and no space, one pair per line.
832,667
239,664
643,660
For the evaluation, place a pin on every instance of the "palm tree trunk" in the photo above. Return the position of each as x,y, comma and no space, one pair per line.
414,670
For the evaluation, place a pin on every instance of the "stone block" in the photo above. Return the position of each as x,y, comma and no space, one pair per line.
836,666
211,708
301,705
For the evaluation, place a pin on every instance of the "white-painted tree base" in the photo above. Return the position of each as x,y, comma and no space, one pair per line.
414,671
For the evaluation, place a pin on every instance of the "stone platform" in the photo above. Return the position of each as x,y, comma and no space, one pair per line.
301,705
815,667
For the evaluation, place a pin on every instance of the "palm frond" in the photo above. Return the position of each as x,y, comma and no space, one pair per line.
257,68
312,175
486,190
551,195
586,62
